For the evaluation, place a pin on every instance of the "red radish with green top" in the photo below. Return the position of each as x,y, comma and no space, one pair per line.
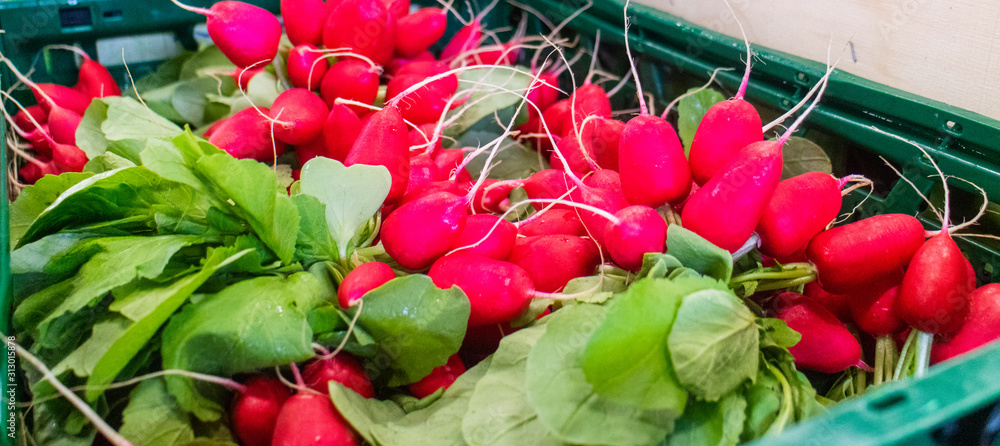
304,20
498,291
306,67
340,131
362,279
301,116
934,296
247,134
352,79
789,221
309,419
640,229
255,410
486,235
553,260
553,222
341,368
979,329
836,304
419,232
48,95
246,34
827,345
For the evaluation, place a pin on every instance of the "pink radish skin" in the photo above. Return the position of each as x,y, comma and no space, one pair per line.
736,196
343,369
243,76
304,21
576,156
306,152
789,221
653,168
247,134
492,196
498,291
422,171
364,26
726,128
245,33
547,184
351,79
428,103
364,278
836,304
62,96
875,313
63,124
68,158
544,91
304,113
398,8
31,172
419,232
384,141
447,161
418,31
934,296
430,188
604,199
255,410
640,230
466,39
606,179
554,222
588,100
557,118
309,419
827,345
94,80
852,257
340,131
979,329
440,378
423,135
22,120
604,136
553,260
301,60
397,63
492,236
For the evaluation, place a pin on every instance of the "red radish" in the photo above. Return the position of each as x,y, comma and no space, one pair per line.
546,184
640,230
48,95
875,314
497,290
23,121
301,115
980,327
255,410
588,100
68,158
467,38
493,196
364,278
577,155
419,232
557,118
422,171
605,179
245,33
383,141
447,161
502,54
341,129
789,221
853,256
440,378
398,8
32,172
343,369
304,21
934,296
553,260
418,31
603,136
247,134
428,103
352,79
364,26
430,188
63,124
305,67
486,235
837,304
426,137
309,419
306,152
93,79
544,91
242,76
553,222
726,128
398,63
827,345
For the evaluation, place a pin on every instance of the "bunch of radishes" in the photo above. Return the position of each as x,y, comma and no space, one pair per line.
48,129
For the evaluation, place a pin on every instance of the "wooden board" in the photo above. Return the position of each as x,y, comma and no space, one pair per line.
948,51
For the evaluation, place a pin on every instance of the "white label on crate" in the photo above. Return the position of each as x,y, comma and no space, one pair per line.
137,49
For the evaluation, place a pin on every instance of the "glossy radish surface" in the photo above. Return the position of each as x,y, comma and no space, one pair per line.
800,208
364,278
934,296
309,419
343,369
255,410
497,290
827,345
419,232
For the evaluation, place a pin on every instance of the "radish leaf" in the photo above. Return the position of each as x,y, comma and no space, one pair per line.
153,416
699,254
691,109
801,155
711,424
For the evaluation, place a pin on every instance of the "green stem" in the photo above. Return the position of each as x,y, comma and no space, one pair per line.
371,251
907,352
891,356
786,404
924,343
782,284
771,275
880,358
860,382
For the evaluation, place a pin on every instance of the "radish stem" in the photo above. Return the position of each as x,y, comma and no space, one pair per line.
924,343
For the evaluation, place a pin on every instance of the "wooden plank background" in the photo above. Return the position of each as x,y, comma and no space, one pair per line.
944,50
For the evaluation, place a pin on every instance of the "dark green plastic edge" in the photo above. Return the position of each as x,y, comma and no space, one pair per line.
6,294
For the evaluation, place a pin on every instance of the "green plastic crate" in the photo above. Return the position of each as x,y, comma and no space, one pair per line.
674,55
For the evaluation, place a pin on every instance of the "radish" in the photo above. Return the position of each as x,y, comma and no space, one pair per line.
640,230
246,34
247,134
448,161
579,158
301,115
340,131
789,222
309,419
553,222
980,327
362,279
418,31
419,232
740,191
93,79
604,136
726,128
68,158
63,124
651,161
854,256
493,196
425,136
304,21
441,377
874,312
605,179
467,38
486,235
557,118
305,67
934,296
398,8
422,171
364,26
430,188
498,291
545,184
383,141
23,118
308,151
826,346
397,63
553,260
341,368
428,103
255,410
352,79
242,76
48,95
837,304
